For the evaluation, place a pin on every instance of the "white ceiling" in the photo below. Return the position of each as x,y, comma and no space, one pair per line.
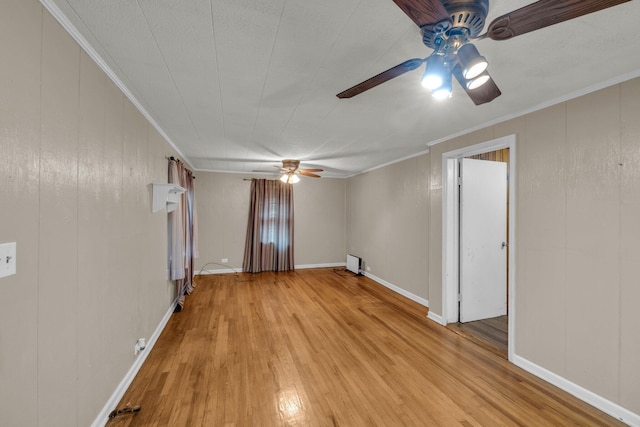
238,85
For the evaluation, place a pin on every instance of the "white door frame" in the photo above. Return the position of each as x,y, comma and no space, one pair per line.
450,229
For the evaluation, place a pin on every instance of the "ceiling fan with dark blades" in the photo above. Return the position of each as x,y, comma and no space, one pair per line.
449,26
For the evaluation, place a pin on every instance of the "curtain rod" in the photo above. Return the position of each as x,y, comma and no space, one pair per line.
178,160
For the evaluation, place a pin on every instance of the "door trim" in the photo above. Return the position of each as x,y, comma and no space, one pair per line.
450,230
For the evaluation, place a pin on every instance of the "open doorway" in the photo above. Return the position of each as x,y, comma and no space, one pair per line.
498,330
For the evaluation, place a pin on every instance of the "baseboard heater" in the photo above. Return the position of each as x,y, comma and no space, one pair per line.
354,264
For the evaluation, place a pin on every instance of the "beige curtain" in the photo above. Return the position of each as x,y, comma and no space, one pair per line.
269,242
183,232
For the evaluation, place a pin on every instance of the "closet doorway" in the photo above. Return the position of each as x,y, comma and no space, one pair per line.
477,277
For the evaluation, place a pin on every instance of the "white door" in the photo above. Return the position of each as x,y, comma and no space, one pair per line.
483,238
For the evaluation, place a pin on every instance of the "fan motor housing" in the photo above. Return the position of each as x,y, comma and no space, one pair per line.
290,164
465,15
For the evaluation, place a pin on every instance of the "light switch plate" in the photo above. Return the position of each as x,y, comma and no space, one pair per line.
7,259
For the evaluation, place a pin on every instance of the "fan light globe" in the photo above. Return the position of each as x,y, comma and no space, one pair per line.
478,81
444,91
473,64
476,69
431,81
434,72
290,178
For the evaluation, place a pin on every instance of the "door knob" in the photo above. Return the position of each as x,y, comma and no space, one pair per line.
504,245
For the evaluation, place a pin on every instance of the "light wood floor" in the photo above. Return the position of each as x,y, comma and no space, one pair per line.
312,348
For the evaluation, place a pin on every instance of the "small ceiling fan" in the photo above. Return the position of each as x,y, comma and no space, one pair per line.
449,26
291,169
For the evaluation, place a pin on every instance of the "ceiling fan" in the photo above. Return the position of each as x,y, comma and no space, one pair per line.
449,26
291,169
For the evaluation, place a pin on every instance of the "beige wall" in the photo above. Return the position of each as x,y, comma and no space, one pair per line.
77,159
577,236
388,223
320,221
223,207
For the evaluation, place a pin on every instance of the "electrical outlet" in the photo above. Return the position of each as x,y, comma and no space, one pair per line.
224,260
7,259
368,268
140,345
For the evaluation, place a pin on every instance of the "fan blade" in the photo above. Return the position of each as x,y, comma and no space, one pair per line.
542,14
306,173
311,170
485,93
384,76
423,12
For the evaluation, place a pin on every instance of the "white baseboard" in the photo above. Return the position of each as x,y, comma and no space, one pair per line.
581,393
334,264
297,267
399,290
436,318
112,403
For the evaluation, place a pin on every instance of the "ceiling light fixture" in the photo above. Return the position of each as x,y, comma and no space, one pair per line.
477,81
434,72
452,50
473,64
290,178
445,89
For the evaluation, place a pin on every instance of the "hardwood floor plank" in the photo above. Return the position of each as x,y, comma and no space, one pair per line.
312,348
489,333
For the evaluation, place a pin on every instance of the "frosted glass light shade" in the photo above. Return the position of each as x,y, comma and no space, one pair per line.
290,178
